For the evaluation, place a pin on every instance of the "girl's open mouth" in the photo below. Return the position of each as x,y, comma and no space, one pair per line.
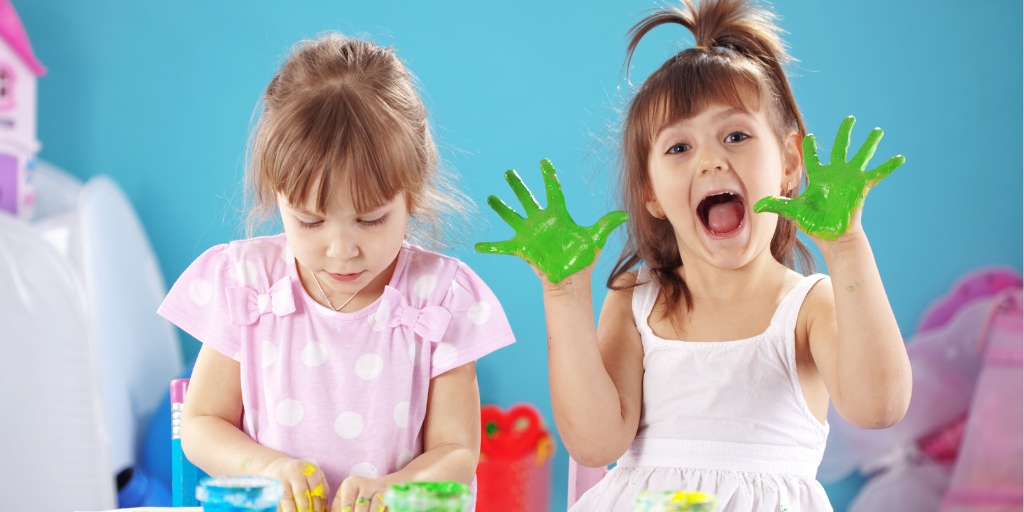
722,213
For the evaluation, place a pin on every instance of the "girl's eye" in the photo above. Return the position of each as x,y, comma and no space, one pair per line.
374,222
310,225
677,149
737,137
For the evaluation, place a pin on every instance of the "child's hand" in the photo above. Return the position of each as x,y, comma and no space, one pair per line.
305,487
360,494
835,192
548,238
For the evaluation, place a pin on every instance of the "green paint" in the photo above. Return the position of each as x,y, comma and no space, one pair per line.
362,501
835,191
492,429
548,238
428,497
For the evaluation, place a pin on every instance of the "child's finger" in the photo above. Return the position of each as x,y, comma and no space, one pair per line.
318,491
347,495
841,146
506,247
377,503
522,192
513,219
287,503
362,504
301,496
811,160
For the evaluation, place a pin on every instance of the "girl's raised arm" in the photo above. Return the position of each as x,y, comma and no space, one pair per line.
854,338
596,375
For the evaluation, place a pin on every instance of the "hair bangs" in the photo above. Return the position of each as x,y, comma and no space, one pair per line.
686,88
335,143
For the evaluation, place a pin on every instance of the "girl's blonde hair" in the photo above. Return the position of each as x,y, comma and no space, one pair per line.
738,62
343,114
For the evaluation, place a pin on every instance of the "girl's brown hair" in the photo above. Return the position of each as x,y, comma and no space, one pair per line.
738,62
343,114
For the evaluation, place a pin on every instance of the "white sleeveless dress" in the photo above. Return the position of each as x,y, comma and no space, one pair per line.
728,418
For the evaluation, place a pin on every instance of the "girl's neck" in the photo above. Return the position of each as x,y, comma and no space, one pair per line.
710,284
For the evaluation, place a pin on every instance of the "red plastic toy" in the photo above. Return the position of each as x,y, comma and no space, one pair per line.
514,474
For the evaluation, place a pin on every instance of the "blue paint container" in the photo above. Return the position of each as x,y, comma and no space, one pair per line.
239,494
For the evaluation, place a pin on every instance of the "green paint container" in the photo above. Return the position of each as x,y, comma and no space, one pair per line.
428,497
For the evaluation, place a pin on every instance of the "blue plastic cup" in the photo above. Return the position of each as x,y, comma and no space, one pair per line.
239,494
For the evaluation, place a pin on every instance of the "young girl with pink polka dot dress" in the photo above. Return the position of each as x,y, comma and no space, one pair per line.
713,362
337,357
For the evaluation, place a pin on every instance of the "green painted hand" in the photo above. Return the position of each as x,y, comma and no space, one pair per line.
834,191
548,238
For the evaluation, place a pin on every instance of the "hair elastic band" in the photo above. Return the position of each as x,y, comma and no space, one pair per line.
702,47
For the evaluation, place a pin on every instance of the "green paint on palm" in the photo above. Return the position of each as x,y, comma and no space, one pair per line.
835,191
548,238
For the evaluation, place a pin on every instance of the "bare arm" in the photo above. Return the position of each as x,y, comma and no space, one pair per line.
596,374
451,442
451,430
210,434
854,338
212,440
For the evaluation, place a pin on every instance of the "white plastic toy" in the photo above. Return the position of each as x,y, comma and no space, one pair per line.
19,69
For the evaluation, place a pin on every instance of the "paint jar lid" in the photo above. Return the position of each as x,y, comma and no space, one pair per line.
244,492
674,501
428,496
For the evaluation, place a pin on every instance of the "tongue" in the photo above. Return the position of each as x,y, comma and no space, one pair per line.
725,217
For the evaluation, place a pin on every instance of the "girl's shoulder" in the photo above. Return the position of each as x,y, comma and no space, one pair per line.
425,274
818,305
259,261
210,299
474,322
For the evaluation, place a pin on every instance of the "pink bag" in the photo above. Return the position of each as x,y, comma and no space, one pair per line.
989,471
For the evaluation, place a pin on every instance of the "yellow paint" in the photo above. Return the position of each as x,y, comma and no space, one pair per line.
362,501
348,508
686,497
318,492
308,469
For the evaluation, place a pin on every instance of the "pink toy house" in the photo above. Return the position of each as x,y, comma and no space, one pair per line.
19,70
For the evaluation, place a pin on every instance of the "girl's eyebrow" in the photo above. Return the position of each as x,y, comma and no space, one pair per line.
729,113
302,210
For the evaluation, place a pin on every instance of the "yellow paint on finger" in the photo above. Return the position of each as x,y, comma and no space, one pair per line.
318,492
308,469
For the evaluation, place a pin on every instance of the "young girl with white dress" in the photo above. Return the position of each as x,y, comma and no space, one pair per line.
712,365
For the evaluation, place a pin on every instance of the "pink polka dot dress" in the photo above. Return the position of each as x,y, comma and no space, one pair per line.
347,391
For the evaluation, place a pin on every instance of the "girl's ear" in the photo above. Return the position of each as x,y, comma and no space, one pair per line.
793,158
653,206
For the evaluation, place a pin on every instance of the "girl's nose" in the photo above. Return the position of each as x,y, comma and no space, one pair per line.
342,249
711,161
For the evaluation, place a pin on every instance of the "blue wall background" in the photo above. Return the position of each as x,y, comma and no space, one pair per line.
159,96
